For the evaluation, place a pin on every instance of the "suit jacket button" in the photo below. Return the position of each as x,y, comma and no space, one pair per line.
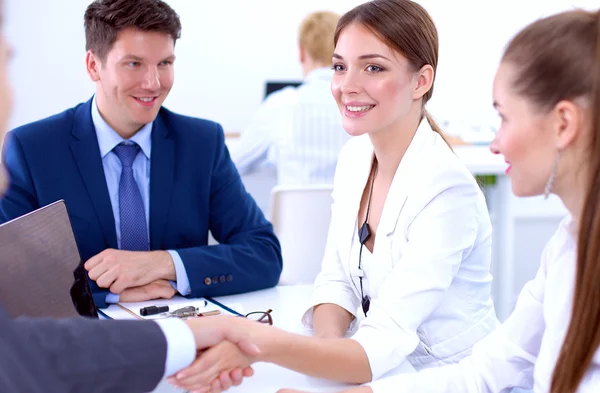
207,281
215,280
222,279
229,278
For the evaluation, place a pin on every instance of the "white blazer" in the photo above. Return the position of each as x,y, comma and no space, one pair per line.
522,353
429,281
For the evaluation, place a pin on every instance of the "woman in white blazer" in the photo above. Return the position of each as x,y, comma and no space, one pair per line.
424,269
547,91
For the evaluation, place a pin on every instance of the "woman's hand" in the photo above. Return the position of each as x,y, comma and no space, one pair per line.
215,369
225,362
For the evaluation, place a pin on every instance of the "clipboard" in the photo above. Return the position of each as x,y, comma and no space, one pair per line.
129,310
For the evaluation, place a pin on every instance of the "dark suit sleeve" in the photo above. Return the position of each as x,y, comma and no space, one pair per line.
248,257
97,356
20,197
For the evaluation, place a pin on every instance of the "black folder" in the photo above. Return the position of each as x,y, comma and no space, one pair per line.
42,273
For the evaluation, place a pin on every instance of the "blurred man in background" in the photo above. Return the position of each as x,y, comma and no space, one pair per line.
299,129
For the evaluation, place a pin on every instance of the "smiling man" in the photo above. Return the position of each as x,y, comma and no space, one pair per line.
143,185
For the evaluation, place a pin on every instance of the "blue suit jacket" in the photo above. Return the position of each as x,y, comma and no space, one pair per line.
194,188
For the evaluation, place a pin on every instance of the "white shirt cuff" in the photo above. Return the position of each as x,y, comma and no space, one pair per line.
333,295
383,358
181,345
183,282
113,298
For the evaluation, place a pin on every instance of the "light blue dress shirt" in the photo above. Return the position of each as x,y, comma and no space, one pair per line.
107,140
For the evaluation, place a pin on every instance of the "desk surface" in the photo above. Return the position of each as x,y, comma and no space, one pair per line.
288,304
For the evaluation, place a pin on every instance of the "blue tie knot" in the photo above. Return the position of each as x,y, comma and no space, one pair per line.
127,153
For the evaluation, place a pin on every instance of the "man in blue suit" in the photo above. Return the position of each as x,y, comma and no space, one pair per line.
143,185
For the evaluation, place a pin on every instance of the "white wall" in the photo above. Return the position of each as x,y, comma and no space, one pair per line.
229,48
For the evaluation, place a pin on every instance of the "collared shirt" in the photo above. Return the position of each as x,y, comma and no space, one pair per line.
299,130
107,140
521,353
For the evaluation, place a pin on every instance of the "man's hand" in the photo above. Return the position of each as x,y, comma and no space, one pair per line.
211,332
222,359
159,289
119,270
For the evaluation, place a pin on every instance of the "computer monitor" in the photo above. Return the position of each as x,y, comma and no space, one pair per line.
273,86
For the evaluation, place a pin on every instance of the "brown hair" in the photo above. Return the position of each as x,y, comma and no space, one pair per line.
104,19
558,58
406,27
316,35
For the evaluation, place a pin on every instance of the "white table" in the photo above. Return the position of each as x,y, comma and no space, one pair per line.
288,303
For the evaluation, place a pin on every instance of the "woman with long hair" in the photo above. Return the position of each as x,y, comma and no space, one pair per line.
406,271
547,92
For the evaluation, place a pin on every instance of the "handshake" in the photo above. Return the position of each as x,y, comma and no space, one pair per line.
227,346
225,352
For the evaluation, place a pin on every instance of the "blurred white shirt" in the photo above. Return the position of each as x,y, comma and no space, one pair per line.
523,351
299,130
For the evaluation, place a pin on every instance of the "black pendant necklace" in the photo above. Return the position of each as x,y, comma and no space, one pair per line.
364,233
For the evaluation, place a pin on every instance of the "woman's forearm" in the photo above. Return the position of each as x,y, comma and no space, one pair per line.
331,320
338,359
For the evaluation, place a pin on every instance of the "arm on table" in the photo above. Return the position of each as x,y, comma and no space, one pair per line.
249,251
331,320
337,359
503,360
333,299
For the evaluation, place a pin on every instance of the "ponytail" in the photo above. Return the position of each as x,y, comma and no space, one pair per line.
583,335
435,127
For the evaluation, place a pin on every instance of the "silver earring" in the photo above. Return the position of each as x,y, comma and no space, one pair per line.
550,181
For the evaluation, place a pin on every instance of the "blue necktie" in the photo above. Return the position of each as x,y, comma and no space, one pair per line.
134,231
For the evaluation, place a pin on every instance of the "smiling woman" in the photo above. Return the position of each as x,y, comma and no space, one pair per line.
410,235
547,90
375,46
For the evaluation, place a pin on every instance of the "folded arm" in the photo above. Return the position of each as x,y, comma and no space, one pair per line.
248,256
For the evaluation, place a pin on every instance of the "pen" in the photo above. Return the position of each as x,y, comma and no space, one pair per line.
209,313
153,310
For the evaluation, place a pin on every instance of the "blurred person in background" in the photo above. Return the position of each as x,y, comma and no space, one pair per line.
299,129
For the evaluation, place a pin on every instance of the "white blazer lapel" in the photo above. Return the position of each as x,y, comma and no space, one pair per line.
407,172
358,164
